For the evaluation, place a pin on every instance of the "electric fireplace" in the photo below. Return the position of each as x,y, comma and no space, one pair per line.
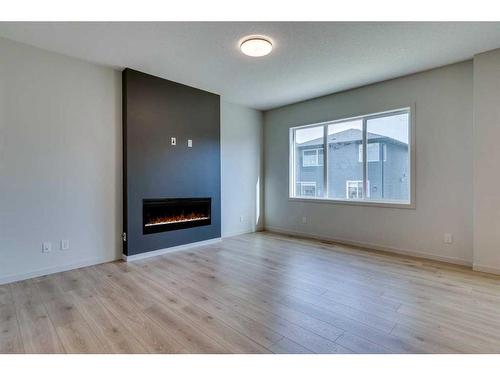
160,215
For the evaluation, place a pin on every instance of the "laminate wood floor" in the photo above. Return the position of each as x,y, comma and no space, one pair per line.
256,293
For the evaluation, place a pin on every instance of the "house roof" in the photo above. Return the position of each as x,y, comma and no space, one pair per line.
347,136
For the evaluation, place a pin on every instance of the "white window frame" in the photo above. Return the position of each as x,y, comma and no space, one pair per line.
317,163
410,203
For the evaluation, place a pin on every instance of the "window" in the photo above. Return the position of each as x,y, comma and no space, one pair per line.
308,189
354,189
309,166
373,152
312,157
343,140
328,160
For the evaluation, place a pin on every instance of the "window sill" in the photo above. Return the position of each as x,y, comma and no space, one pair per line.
372,203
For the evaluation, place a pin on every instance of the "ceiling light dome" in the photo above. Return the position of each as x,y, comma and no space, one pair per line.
256,46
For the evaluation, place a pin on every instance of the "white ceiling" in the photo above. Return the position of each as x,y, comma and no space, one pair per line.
308,60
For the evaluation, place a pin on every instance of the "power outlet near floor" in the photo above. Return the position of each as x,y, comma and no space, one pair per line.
46,247
304,220
448,238
64,245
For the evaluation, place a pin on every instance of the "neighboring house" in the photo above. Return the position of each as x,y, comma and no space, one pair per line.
387,160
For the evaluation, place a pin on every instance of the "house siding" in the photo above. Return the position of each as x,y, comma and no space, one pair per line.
387,179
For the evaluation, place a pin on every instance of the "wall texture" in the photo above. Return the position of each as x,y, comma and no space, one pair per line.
60,161
443,102
486,156
242,169
155,110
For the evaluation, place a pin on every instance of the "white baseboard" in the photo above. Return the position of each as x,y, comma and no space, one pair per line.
56,269
149,254
373,246
486,269
239,233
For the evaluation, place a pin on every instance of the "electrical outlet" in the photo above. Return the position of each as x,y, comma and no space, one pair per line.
241,219
46,247
190,143
173,141
448,238
304,220
64,244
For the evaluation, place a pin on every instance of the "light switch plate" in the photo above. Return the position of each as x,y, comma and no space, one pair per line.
173,141
190,143
46,247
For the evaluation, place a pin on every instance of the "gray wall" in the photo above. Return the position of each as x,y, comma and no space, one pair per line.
60,161
443,102
242,169
155,110
486,157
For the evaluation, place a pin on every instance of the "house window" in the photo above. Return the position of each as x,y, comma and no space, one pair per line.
344,171
372,152
312,157
354,189
308,189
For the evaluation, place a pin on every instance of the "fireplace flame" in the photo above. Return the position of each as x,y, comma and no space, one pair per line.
160,220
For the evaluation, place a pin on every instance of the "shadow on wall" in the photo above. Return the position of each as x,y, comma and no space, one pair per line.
257,204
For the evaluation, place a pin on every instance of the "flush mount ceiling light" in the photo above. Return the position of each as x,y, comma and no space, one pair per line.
256,46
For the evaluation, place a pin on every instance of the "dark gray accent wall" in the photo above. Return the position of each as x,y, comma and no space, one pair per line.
154,110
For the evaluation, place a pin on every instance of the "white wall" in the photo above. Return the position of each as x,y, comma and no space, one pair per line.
242,169
443,101
486,161
60,161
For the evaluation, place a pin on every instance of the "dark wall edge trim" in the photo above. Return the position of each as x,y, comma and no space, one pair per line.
124,161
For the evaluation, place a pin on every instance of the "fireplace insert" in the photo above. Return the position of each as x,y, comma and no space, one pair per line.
160,215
